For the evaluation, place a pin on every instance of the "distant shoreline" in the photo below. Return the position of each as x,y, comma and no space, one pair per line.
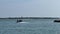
31,18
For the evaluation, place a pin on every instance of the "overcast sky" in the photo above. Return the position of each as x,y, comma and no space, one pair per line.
30,8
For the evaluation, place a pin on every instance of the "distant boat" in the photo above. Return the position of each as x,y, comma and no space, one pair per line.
19,21
56,20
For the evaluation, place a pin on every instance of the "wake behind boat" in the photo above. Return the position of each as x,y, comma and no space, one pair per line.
23,22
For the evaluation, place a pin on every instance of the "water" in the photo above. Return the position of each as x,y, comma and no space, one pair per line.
33,26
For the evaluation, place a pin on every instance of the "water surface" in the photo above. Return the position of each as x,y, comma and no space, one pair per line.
33,26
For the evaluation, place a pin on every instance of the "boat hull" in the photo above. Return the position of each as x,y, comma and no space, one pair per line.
56,20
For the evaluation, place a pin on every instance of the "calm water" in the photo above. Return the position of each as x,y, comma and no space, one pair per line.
33,26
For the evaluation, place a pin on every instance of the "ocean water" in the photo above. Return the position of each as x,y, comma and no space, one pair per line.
31,26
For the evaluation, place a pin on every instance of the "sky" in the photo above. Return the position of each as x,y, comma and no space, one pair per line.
39,8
